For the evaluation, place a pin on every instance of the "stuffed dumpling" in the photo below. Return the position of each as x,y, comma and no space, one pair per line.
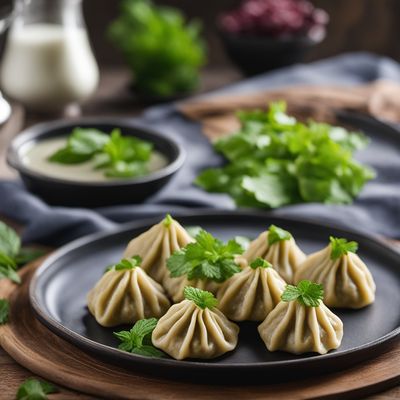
301,323
125,294
346,279
157,244
278,247
203,264
251,294
195,328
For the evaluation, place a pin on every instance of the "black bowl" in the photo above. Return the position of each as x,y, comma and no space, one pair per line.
64,192
257,54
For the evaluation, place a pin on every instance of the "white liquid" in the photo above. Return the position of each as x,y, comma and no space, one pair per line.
35,157
48,66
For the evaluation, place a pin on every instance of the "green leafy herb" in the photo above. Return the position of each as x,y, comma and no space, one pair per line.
126,264
119,156
274,160
138,339
12,255
340,247
4,311
306,293
163,51
168,220
201,298
260,263
8,272
33,389
206,258
276,234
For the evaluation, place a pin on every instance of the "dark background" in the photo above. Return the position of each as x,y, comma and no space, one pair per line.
356,25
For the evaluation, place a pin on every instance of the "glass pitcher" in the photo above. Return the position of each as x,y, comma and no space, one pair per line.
48,63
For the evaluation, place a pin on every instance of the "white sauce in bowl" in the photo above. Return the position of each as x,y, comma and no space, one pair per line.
35,157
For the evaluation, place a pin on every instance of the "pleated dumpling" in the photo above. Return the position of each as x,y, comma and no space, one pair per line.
195,328
278,247
157,244
301,323
125,294
346,279
203,264
251,294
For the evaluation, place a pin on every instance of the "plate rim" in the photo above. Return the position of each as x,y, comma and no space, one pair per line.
104,350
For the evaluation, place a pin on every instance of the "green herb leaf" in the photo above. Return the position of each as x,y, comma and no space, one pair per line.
27,255
138,339
33,389
260,263
126,264
67,156
201,298
7,271
87,141
207,258
306,293
274,160
276,234
340,247
4,311
9,241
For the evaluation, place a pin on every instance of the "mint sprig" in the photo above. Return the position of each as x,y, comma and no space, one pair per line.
138,339
119,156
125,264
4,311
202,298
260,263
341,246
33,389
206,258
306,293
12,255
276,234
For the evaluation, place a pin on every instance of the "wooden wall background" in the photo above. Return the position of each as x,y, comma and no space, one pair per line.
356,25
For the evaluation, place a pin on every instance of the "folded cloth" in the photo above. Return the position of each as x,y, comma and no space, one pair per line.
376,210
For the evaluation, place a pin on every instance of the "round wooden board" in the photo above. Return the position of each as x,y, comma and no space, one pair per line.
33,346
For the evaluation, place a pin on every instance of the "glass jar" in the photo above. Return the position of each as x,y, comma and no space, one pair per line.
48,63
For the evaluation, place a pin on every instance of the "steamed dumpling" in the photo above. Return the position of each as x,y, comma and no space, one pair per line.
278,247
346,279
297,328
194,328
126,294
251,294
157,244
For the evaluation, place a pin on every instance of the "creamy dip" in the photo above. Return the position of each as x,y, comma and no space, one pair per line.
35,157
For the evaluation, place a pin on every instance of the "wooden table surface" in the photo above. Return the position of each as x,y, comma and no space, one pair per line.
112,99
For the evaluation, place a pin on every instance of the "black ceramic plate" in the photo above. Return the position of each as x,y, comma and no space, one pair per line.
58,295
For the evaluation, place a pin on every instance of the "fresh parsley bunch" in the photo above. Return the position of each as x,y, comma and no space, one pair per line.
119,156
138,339
163,51
275,160
12,255
206,258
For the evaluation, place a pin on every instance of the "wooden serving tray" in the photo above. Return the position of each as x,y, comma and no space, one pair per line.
33,346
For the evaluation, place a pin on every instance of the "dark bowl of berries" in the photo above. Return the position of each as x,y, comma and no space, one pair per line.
262,35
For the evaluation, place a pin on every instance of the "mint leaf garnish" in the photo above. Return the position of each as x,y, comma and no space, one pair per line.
276,234
33,389
202,298
260,263
125,264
